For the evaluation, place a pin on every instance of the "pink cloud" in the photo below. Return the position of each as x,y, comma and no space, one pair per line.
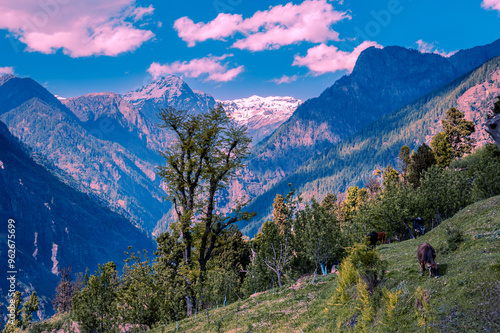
6,70
210,67
280,25
79,27
425,47
491,4
285,79
324,59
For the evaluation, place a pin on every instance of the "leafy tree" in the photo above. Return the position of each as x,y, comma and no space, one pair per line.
95,306
276,250
483,169
390,176
442,149
373,184
404,162
169,265
257,273
140,296
65,290
318,235
443,193
207,152
30,306
420,161
276,243
14,322
227,269
458,130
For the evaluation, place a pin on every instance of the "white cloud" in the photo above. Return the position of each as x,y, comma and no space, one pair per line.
285,79
6,70
425,47
491,4
323,59
210,67
280,25
79,27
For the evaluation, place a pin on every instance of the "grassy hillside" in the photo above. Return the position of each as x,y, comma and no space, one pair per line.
466,298
378,144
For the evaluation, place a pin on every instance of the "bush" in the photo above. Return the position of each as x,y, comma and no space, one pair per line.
454,237
57,322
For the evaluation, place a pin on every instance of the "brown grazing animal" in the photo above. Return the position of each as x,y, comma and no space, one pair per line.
426,256
382,237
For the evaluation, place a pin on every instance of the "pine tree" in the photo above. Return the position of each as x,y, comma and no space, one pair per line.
442,149
420,161
30,306
458,130
15,312
64,291
404,162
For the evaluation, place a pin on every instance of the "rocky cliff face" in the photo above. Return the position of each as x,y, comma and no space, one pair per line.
56,226
261,115
168,91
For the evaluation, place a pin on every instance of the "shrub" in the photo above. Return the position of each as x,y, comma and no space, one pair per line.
454,237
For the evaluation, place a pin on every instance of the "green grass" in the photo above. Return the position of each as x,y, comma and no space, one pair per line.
465,298
297,308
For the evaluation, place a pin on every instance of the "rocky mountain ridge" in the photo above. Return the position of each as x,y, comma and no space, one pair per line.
168,91
261,115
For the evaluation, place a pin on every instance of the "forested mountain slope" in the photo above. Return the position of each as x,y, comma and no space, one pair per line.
55,225
382,81
352,160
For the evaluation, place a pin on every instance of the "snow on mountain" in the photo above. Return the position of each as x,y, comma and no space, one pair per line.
262,115
168,91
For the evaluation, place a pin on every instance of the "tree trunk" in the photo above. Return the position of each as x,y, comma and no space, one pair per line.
189,306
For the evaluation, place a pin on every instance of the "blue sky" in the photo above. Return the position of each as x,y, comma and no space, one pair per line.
227,48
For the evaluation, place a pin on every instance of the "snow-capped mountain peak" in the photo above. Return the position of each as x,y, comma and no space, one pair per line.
168,91
262,115
164,87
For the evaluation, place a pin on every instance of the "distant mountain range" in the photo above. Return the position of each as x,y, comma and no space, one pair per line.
262,115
